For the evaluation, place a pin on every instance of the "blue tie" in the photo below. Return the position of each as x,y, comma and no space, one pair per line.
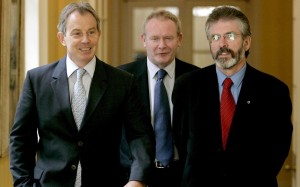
162,121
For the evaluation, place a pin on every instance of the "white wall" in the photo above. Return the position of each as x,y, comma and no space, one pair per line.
35,33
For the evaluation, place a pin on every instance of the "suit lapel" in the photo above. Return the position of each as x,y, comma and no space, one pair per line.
206,84
244,101
247,85
60,88
142,78
179,70
97,89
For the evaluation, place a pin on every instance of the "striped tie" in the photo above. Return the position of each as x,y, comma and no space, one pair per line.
227,109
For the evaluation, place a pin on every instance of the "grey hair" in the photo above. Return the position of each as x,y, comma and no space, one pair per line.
229,13
82,8
164,14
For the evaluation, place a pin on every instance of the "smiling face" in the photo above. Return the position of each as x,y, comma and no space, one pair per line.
227,45
161,41
81,37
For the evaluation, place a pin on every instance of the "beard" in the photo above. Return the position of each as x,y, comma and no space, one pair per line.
228,63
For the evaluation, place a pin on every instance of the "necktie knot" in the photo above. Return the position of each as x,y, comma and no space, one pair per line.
161,74
80,72
227,83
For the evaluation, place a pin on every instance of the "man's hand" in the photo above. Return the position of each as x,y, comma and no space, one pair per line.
135,184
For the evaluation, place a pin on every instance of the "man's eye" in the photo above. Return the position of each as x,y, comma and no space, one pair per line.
91,32
230,36
169,38
215,37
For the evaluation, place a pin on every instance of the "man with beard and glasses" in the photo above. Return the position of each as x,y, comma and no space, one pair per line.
246,144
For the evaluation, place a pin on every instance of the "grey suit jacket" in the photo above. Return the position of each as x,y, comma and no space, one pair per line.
50,157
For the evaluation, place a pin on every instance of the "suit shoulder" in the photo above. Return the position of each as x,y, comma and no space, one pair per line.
186,65
44,69
189,76
45,66
191,66
264,78
131,65
116,71
198,75
137,67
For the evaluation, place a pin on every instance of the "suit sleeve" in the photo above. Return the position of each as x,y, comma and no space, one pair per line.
140,135
23,137
180,111
283,128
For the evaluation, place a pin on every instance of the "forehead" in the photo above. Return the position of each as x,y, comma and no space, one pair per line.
82,20
224,26
160,25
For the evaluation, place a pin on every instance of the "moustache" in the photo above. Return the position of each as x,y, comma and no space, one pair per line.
226,50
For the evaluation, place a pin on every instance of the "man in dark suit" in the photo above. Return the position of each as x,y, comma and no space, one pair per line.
47,148
161,37
260,130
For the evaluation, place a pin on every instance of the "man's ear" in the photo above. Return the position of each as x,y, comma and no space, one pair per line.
143,38
61,38
247,43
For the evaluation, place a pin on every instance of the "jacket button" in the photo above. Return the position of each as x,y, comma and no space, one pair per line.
73,167
80,143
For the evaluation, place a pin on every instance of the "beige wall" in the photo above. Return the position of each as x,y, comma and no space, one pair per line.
55,49
5,177
272,37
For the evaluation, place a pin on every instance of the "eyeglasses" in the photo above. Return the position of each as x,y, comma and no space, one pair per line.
231,36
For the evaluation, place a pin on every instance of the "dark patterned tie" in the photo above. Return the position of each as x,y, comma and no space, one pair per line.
227,109
162,121
78,108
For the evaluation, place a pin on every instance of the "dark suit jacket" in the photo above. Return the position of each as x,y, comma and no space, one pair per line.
44,106
259,138
139,69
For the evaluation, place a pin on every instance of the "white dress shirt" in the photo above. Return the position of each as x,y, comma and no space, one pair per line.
169,81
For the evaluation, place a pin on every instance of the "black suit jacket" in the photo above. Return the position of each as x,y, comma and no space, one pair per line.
259,138
44,107
139,69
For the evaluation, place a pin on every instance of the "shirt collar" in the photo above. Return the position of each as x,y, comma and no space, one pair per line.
71,66
153,69
237,78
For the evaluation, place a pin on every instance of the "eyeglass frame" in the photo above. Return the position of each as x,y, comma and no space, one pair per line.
230,36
